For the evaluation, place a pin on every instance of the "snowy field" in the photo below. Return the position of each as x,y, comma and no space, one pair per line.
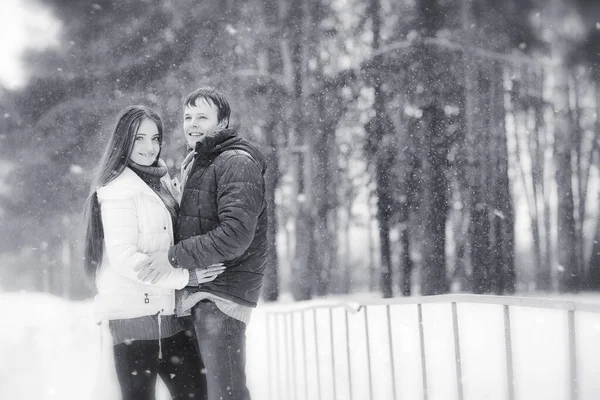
51,349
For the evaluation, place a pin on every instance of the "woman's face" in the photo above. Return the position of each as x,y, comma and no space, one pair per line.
146,143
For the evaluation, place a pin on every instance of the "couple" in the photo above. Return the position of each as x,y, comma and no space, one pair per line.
178,270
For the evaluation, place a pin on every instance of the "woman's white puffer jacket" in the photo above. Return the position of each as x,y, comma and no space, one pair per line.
136,223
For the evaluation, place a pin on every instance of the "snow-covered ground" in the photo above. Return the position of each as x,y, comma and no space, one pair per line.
51,349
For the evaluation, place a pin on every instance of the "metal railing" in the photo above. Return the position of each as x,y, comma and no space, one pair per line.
288,347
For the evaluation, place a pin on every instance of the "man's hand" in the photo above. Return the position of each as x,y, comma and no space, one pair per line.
154,268
209,274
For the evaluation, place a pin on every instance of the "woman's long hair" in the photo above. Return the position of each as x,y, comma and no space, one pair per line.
116,157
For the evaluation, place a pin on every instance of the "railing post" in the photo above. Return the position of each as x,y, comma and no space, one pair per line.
368,354
286,357
510,377
457,359
277,356
290,354
269,356
317,354
573,356
305,369
422,342
332,352
348,354
293,339
390,341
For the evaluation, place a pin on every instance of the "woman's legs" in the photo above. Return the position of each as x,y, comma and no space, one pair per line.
181,367
136,364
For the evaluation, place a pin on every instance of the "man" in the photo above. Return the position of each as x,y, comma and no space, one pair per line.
222,219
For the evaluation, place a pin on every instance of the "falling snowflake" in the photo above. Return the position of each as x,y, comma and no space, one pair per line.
230,29
499,213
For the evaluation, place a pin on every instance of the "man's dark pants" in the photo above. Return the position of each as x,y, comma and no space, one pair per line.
222,344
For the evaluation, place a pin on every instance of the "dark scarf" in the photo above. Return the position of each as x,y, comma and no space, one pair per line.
152,175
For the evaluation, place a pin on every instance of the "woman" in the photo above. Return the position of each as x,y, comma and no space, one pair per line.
130,214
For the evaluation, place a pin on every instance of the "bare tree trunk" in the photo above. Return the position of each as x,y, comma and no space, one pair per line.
475,134
593,278
584,162
495,215
302,270
435,205
322,133
348,249
593,281
503,217
543,280
378,129
434,160
542,211
274,63
271,278
569,278
547,178
481,230
407,264
531,196
578,156
409,186
520,108
332,199
372,256
383,216
322,203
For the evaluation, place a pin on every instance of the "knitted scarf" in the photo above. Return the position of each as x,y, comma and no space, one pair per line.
152,175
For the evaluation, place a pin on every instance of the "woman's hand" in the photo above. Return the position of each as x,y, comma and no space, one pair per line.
154,267
157,266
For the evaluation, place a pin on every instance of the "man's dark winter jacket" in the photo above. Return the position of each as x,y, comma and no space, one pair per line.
223,217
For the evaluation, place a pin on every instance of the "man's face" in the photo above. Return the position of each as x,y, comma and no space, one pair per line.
200,120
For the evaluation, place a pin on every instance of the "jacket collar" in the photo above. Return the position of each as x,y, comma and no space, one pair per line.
226,139
212,143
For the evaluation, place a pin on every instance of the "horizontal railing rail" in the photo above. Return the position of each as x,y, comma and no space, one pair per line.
531,302
287,346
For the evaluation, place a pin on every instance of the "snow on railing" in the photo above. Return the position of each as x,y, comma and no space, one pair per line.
300,344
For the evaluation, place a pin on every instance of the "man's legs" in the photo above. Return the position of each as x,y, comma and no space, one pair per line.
222,343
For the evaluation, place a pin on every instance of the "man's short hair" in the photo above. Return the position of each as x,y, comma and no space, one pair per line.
217,98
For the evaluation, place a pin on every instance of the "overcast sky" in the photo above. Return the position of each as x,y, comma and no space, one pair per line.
24,24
